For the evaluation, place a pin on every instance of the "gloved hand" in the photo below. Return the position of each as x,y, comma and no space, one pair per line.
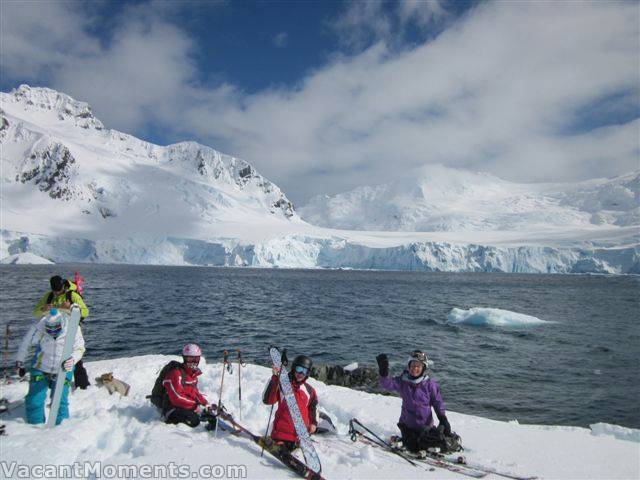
200,409
67,365
20,369
445,423
383,364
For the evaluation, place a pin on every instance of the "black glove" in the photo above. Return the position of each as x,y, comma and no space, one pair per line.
383,364
445,423
21,370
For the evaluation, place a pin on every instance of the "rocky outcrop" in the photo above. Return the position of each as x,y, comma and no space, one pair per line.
52,168
65,107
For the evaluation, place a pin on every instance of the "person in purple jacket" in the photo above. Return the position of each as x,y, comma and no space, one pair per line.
419,395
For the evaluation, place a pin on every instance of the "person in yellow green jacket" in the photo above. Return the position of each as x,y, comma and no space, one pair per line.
63,294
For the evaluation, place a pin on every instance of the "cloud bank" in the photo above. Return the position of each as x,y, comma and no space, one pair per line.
529,91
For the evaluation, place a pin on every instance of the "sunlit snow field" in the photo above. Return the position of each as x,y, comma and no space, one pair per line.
108,432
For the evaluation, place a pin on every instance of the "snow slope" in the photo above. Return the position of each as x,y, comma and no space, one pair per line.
25,259
64,174
74,191
437,198
127,431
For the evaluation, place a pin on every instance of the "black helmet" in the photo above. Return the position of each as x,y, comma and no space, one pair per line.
57,283
302,361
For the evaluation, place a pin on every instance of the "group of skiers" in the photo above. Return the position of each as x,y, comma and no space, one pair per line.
179,400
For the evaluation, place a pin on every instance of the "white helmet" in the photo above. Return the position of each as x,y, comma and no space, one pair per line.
418,356
191,350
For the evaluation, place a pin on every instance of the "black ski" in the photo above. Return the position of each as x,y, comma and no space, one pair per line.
358,431
434,459
275,450
460,460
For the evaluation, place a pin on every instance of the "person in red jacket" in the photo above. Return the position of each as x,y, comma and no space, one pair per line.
284,432
183,402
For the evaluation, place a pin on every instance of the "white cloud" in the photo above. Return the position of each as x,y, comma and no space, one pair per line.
38,38
495,92
504,89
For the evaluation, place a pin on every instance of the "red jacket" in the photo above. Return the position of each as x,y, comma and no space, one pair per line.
307,400
181,386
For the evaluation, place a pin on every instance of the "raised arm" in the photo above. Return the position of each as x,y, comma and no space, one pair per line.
387,382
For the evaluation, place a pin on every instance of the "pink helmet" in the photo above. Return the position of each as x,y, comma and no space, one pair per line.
191,350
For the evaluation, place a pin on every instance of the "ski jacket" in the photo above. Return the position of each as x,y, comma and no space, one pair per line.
417,399
181,386
48,355
307,400
58,300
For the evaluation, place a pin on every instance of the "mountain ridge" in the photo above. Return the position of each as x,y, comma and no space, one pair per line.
437,198
54,143
74,190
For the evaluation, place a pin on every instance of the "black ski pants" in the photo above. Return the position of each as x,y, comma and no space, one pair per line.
174,416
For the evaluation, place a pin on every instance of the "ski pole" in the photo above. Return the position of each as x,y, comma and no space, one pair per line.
283,359
240,365
5,351
353,432
225,366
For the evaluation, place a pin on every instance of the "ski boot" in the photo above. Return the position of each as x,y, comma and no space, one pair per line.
396,442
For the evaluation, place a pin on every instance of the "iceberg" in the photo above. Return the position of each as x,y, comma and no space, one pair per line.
495,317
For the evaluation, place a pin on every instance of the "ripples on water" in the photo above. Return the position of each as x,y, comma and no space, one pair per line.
582,369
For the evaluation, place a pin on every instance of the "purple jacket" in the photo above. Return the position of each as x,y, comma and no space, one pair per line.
417,399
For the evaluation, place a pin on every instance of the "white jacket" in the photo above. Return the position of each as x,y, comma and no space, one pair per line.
48,356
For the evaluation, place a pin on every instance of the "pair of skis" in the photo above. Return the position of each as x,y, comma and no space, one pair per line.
67,350
358,431
311,468
226,422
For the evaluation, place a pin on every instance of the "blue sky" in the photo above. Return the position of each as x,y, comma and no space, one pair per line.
325,96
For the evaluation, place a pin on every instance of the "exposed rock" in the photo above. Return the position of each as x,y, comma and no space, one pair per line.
51,167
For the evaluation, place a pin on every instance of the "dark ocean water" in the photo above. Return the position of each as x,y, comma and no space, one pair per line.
583,368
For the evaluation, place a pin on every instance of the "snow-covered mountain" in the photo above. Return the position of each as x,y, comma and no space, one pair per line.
437,198
73,190
65,173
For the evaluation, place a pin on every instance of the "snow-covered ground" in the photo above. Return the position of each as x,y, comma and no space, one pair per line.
75,191
118,430
26,258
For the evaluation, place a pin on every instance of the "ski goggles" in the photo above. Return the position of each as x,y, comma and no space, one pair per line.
53,330
192,360
301,369
418,356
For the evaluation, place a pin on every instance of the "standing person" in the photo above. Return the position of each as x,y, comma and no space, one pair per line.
48,336
63,294
419,395
284,432
182,402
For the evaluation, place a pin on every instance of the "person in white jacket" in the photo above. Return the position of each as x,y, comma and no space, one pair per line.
48,335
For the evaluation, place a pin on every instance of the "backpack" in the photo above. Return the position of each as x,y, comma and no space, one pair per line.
158,393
